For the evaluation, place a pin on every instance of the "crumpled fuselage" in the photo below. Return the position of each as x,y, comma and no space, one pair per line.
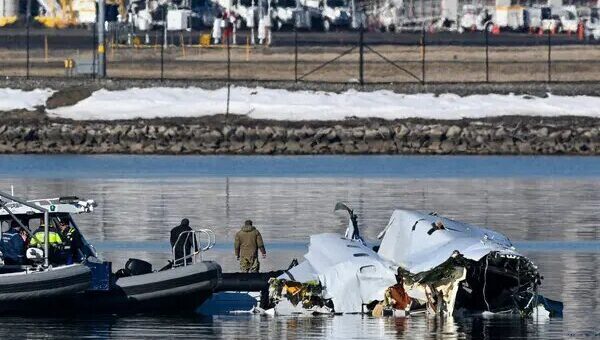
444,266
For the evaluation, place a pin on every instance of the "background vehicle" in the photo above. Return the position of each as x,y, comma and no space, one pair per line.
332,12
282,12
593,23
203,13
569,18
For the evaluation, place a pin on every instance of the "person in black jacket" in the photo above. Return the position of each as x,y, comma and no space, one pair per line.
12,244
72,242
185,243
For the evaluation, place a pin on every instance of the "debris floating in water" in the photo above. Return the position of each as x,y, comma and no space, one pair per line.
424,262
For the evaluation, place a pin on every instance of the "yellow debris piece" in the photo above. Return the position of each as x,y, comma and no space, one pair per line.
292,289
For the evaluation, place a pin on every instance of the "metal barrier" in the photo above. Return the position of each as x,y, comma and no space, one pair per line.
195,241
423,56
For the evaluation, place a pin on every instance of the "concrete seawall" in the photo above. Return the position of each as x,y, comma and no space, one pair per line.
215,135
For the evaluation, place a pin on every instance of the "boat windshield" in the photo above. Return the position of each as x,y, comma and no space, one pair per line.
35,223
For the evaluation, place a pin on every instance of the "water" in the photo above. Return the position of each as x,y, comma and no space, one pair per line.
546,205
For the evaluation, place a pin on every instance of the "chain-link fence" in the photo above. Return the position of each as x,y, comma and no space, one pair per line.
334,57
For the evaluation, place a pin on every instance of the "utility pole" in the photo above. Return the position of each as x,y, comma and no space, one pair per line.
101,44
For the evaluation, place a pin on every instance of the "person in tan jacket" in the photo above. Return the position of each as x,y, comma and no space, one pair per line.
248,241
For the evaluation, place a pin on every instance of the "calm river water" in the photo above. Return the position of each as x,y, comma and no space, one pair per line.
548,206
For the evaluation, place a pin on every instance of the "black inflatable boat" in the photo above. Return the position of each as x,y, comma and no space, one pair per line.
89,285
175,290
24,290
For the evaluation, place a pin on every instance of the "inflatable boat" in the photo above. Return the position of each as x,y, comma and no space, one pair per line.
22,289
74,279
175,290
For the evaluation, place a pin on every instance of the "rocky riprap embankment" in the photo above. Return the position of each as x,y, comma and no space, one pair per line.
509,135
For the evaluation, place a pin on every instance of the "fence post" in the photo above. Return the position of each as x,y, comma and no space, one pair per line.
549,56
361,59
28,24
101,39
46,48
423,56
94,46
487,57
295,53
162,46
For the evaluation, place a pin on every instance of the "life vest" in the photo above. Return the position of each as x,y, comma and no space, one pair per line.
69,234
38,239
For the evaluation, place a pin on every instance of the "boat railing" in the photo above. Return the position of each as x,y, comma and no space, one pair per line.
194,243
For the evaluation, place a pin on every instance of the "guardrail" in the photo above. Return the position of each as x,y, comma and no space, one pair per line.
195,242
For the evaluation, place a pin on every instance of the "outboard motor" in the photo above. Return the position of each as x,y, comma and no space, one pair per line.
138,267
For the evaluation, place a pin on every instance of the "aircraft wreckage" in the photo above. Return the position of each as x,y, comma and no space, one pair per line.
423,263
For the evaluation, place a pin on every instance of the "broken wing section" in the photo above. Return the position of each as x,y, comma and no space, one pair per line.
351,274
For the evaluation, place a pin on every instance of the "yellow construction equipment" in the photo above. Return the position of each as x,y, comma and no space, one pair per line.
205,40
59,14
4,21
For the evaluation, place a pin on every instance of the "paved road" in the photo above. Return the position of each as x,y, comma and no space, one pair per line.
15,38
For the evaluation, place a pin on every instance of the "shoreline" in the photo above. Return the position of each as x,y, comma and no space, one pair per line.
34,132
217,135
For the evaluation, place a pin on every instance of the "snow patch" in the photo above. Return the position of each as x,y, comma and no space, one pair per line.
13,99
276,104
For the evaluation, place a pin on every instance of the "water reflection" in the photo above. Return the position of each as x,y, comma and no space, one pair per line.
140,211
297,327
291,209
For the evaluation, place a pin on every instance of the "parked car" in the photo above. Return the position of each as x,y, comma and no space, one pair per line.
282,13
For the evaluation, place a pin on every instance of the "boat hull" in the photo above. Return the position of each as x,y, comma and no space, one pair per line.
173,291
31,292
